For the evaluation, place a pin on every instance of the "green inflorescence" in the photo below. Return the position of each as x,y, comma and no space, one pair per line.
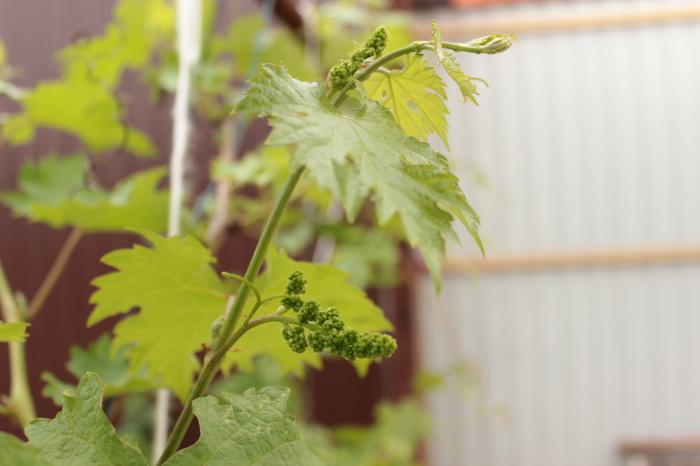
329,329
296,286
346,68
295,338
308,312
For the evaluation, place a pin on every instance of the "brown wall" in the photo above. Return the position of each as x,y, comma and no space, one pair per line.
33,30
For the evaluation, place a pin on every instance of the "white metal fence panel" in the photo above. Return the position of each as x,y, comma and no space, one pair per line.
587,139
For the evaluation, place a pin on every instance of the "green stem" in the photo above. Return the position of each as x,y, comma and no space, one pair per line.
246,282
415,47
54,274
20,402
205,378
227,338
259,256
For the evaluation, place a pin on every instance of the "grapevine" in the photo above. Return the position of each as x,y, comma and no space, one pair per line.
365,154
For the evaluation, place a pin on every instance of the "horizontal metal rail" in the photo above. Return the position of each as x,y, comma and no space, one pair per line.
650,255
451,25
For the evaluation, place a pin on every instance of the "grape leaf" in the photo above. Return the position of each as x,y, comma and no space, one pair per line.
82,102
447,60
398,430
54,387
17,129
416,96
330,288
179,297
49,181
113,371
16,331
370,255
136,202
249,429
16,452
81,433
362,151
249,34
54,191
126,43
87,110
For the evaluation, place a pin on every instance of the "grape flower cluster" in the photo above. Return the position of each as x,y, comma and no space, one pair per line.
346,68
328,329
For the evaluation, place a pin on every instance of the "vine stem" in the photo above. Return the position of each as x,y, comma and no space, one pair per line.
415,47
204,380
210,370
258,257
224,187
20,403
227,338
54,274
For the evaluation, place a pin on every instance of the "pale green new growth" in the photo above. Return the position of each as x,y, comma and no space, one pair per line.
13,332
179,295
415,95
362,152
448,62
81,433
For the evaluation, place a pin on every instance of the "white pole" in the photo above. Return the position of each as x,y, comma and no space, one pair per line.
189,24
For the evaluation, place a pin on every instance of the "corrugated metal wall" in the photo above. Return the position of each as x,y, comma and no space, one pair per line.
587,139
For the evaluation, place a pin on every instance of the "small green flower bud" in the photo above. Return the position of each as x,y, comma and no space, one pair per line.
495,43
296,284
332,320
295,338
317,341
377,41
308,312
293,303
216,327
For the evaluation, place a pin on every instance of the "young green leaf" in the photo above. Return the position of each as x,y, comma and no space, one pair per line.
415,95
16,452
81,433
48,181
126,43
330,288
16,331
87,110
54,191
114,371
136,202
249,429
248,33
361,152
179,297
447,61
370,255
